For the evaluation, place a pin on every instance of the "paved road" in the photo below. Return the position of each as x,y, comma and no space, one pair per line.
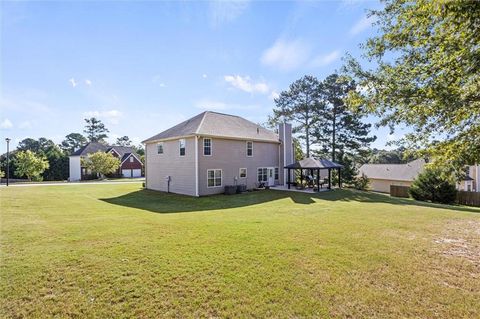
68,184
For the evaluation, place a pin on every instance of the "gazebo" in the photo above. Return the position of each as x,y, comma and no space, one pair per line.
313,164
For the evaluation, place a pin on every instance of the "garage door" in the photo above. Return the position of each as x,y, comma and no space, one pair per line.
136,173
131,173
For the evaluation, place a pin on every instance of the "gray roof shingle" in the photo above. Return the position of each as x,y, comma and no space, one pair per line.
314,163
217,124
396,172
89,148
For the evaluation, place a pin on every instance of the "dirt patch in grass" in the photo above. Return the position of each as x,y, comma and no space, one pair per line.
461,239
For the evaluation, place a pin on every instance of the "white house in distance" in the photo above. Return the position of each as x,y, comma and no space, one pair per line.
471,182
130,166
381,176
211,150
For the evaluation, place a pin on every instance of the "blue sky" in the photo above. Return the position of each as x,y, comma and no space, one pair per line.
142,67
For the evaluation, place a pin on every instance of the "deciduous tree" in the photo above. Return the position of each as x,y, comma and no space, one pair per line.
101,163
73,142
425,73
30,165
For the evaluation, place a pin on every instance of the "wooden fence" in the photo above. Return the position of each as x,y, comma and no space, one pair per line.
399,191
468,198
463,198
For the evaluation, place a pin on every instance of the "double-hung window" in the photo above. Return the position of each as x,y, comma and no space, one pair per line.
182,146
160,148
276,173
262,174
243,173
207,146
214,178
249,148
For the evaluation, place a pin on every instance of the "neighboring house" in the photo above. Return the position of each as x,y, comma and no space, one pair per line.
202,155
130,166
471,181
381,176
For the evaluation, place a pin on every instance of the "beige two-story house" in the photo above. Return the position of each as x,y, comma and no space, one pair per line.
202,155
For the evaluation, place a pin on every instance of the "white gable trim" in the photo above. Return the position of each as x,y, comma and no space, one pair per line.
112,149
131,154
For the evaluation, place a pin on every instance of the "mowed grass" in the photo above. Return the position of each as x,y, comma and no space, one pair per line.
118,251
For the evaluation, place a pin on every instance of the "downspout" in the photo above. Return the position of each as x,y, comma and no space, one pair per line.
145,165
196,165
284,153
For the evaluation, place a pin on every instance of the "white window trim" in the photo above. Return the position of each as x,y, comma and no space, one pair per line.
221,177
179,146
211,146
278,173
246,148
240,170
163,149
131,159
262,168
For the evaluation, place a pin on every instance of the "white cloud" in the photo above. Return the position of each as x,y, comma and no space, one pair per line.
204,76
111,116
226,11
88,82
6,124
73,82
326,59
246,84
286,55
361,25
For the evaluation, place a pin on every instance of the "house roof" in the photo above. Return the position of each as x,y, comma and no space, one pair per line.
122,150
398,172
313,163
217,124
89,148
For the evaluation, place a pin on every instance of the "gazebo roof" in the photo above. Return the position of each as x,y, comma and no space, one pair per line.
313,163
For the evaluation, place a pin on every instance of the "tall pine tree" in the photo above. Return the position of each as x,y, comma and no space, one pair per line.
339,131
95,130
299,104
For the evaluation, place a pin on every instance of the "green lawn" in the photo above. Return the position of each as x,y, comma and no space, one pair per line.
119,251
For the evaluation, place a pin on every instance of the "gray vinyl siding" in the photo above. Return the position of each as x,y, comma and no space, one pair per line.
181,169
231,155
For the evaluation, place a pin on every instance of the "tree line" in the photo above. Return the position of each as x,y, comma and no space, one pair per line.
322,121
43,159
420,70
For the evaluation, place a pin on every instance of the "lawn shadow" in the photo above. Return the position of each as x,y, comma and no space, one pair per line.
348,195
167,203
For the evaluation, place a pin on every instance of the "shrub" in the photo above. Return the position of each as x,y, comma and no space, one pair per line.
431,186
361,182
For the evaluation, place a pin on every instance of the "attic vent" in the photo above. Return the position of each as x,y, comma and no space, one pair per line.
258,130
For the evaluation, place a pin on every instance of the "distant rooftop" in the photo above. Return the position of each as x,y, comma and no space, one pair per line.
397,172
217,124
